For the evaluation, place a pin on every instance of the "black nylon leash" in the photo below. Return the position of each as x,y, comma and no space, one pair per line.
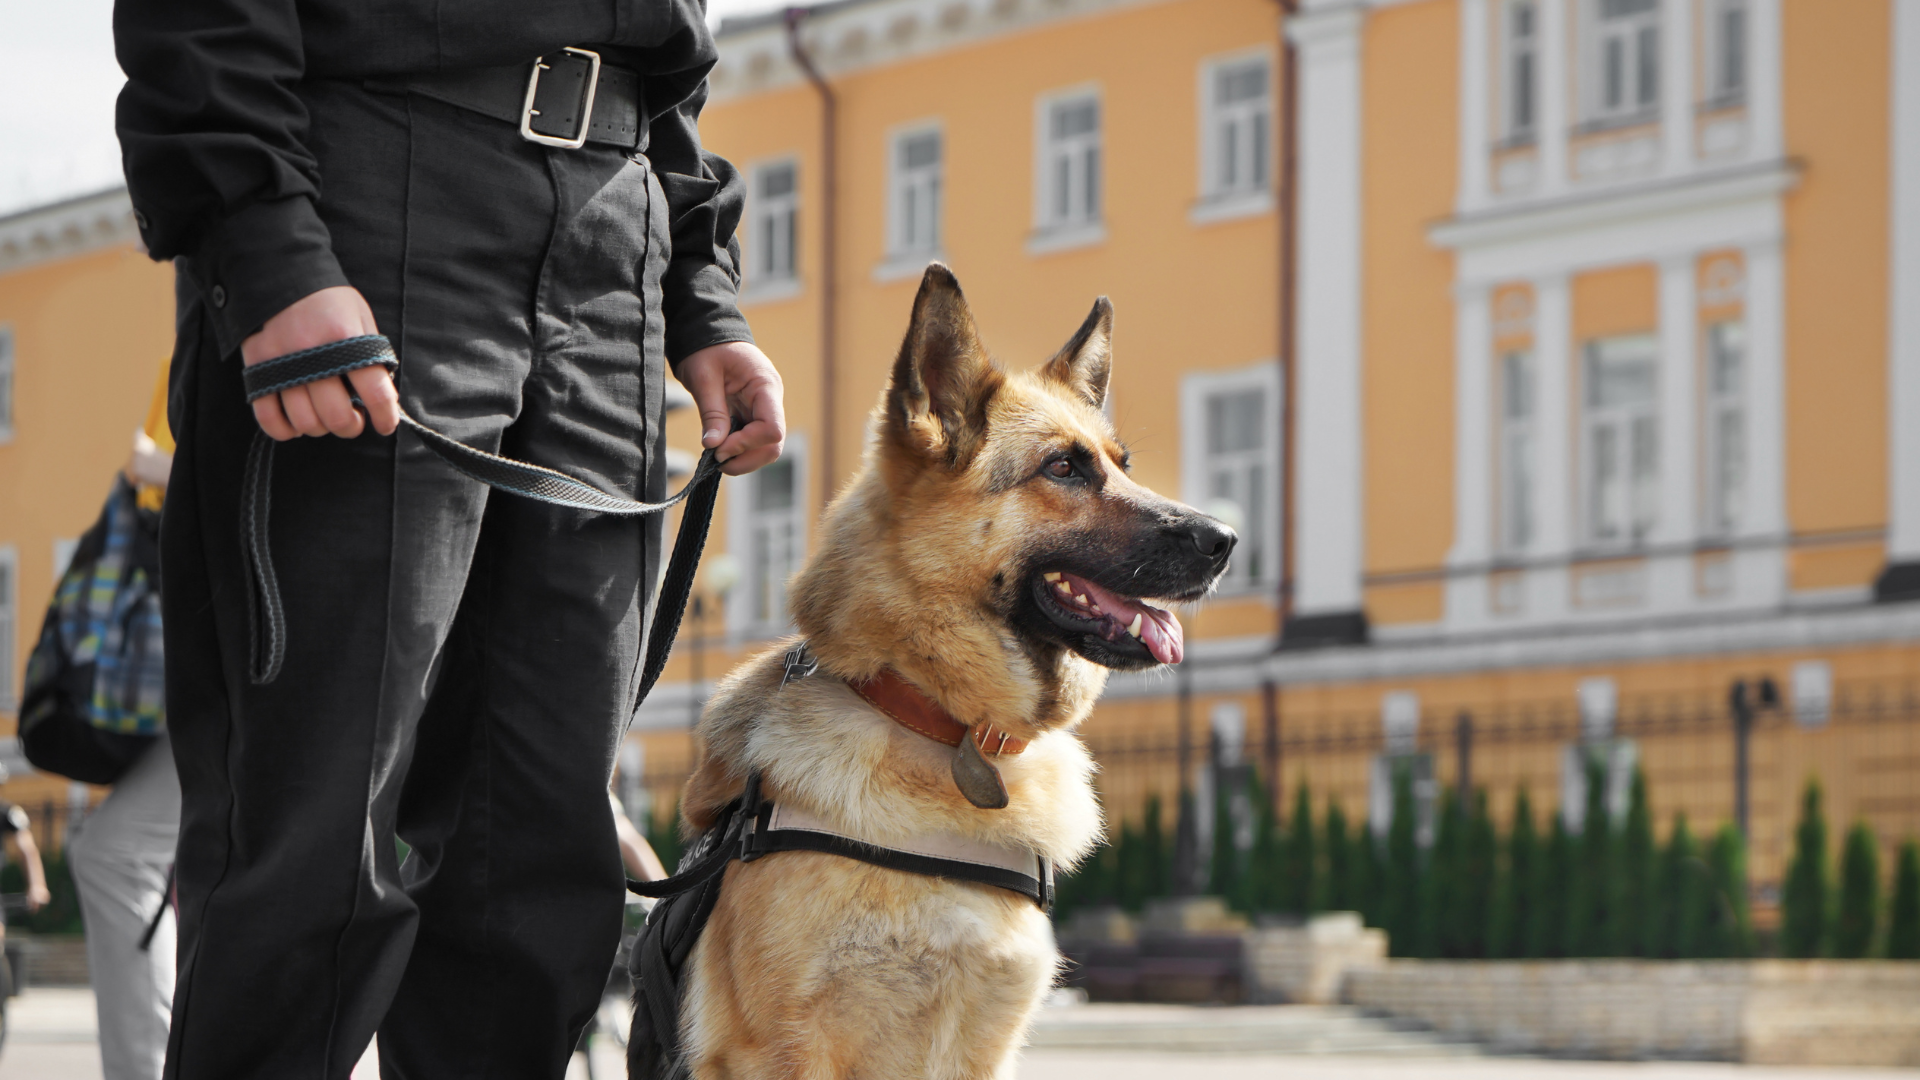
264,609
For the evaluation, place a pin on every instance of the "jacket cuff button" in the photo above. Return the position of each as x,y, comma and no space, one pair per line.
219,296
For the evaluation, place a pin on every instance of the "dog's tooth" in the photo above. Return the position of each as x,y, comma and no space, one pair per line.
1081,599
1134,627
1065,589
1052,575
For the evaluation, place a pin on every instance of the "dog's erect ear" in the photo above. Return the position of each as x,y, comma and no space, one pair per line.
943,378
1084,362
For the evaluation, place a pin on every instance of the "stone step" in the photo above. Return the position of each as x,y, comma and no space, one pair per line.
1277,1029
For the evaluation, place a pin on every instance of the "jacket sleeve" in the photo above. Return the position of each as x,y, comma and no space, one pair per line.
705,197
211,132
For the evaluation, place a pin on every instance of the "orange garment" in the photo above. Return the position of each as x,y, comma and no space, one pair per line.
161,434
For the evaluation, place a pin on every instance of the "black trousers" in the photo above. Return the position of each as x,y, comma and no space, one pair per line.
459,664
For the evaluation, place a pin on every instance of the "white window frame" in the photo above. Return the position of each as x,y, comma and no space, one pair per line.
9,383
1514,49
743,522
9,629
1197,466
1727,467
1627,423
1638,35
1518,450
907,186
1223,197
1081,226
1721,45
761,282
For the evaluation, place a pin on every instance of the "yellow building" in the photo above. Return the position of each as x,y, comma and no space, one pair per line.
1597,382
85,320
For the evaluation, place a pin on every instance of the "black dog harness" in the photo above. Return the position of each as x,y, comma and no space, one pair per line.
750,827
264,610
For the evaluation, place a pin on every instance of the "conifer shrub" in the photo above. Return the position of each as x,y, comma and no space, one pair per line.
1903,911
1859,914
1633,894
1400,884
1439,884
1340,892
1513,907
1224,866
1299,881
1589,907
1804,914
1265,868
1547,926
1678,864
1474,884
1369,874
1729,933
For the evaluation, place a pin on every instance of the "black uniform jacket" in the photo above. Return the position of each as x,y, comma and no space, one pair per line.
212,127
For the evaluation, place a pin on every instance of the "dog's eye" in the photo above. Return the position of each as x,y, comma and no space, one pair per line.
1060,468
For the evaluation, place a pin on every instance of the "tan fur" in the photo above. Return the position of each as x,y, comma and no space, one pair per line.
819,966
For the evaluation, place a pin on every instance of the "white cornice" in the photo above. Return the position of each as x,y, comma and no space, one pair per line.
1621,203
857,35
64,229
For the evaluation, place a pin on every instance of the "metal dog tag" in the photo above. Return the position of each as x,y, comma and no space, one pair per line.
976,778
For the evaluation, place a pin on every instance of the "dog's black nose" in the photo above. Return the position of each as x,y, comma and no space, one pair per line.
1211,538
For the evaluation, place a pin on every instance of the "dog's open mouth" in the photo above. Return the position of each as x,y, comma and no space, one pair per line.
1127,625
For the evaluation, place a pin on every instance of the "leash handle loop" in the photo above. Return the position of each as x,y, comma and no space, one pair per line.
267,616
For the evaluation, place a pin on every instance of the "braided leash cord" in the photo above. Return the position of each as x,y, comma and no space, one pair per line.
265,611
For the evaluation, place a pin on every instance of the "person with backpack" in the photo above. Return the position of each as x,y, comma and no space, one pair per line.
122,854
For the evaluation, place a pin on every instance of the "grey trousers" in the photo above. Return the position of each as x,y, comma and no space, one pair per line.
459,662
120,857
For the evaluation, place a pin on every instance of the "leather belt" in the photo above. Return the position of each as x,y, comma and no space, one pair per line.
546,100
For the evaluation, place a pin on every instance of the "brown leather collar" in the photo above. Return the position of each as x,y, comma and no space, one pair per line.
904,704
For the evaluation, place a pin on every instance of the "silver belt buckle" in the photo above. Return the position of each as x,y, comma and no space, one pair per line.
528,112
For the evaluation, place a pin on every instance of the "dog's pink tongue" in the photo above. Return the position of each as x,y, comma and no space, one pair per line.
1159,631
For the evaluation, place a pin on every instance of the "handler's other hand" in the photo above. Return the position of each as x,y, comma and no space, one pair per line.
322,407
737,379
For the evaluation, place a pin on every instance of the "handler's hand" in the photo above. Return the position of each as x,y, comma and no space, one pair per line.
737,379
322,407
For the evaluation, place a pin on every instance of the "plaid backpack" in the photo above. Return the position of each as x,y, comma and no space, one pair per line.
96,690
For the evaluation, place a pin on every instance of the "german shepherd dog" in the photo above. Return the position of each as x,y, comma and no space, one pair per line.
994,553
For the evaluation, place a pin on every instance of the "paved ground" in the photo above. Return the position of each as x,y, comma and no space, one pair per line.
1072,1065
52,1038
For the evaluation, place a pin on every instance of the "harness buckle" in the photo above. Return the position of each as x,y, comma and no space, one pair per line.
798,664
528,112
756,815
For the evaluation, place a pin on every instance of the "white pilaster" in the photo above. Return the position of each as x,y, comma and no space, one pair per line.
1764,95
1476,105
1677,53
1554,412
1672,575
1473,466
1328,533
1556,93
1760,573
1903,352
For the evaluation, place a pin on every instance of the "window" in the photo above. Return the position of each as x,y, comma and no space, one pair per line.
918,170
1625,62
1522,69
1238,139
1621,440
1231,445
1070,162
769,535
9,619
1726,426
1516,450
6,383
772,235
1727,38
